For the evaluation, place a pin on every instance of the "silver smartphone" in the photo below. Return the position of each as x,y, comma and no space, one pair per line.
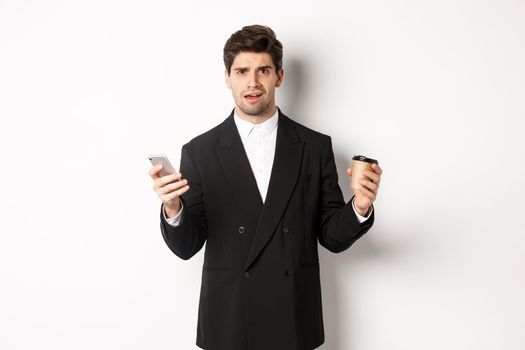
167,168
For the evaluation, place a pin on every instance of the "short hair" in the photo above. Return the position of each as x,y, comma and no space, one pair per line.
254,38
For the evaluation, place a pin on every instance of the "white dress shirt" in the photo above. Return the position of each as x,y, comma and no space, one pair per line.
259,143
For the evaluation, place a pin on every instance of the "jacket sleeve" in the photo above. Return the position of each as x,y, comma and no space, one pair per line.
340,227
188,238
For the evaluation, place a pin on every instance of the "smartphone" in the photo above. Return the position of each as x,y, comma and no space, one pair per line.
167,168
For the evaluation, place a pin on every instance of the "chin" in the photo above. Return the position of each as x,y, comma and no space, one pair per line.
253,110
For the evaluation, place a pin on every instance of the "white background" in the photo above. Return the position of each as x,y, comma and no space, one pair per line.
433,89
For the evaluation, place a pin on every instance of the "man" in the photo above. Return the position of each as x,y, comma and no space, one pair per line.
260,190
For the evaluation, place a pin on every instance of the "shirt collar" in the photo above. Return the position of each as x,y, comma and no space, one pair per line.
245,127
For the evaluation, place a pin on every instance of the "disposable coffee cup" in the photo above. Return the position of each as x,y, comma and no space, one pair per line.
360,163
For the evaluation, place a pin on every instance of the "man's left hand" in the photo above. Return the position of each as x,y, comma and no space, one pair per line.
366,195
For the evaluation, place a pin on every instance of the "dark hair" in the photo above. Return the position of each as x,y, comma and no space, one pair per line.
254,38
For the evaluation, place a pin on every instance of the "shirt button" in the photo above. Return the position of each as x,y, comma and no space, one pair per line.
287,273
246,274
285,230
241,229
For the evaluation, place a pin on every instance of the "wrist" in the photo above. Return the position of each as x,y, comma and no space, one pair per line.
363,212
172,211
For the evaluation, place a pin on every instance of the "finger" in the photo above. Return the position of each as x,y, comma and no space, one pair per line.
154,171
372,175
377,168
369,185
164,180
371,195
171,196
172,187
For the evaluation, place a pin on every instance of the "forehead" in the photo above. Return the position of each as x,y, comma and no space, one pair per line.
252,59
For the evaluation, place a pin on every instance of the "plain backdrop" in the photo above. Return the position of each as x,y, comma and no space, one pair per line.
433,89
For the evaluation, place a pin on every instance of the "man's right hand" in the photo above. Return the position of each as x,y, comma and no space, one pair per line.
169,188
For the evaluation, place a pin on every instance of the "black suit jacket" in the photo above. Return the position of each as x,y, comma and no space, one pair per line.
260,280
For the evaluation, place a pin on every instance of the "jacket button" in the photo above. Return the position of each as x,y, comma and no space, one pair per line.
287,273
246,274
241,229
285,230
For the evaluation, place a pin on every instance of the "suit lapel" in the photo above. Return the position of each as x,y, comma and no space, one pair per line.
236,167
241,180
285,170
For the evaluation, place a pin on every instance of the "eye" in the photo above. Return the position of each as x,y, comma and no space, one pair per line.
241,71
264,70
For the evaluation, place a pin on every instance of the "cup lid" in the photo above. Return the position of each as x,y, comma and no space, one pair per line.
364,159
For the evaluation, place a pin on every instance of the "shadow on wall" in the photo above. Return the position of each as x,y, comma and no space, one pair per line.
294,85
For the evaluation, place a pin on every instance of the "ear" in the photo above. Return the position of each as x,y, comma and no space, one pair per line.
280,77
227,79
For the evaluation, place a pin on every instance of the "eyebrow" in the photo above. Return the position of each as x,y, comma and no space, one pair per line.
247,68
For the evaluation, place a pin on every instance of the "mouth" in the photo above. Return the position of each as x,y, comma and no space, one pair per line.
253,96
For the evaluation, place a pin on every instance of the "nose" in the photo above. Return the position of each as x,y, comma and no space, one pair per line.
253,79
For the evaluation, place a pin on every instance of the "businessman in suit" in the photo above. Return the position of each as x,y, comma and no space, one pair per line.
261,190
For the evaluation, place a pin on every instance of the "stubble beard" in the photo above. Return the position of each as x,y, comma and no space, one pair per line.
254,110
